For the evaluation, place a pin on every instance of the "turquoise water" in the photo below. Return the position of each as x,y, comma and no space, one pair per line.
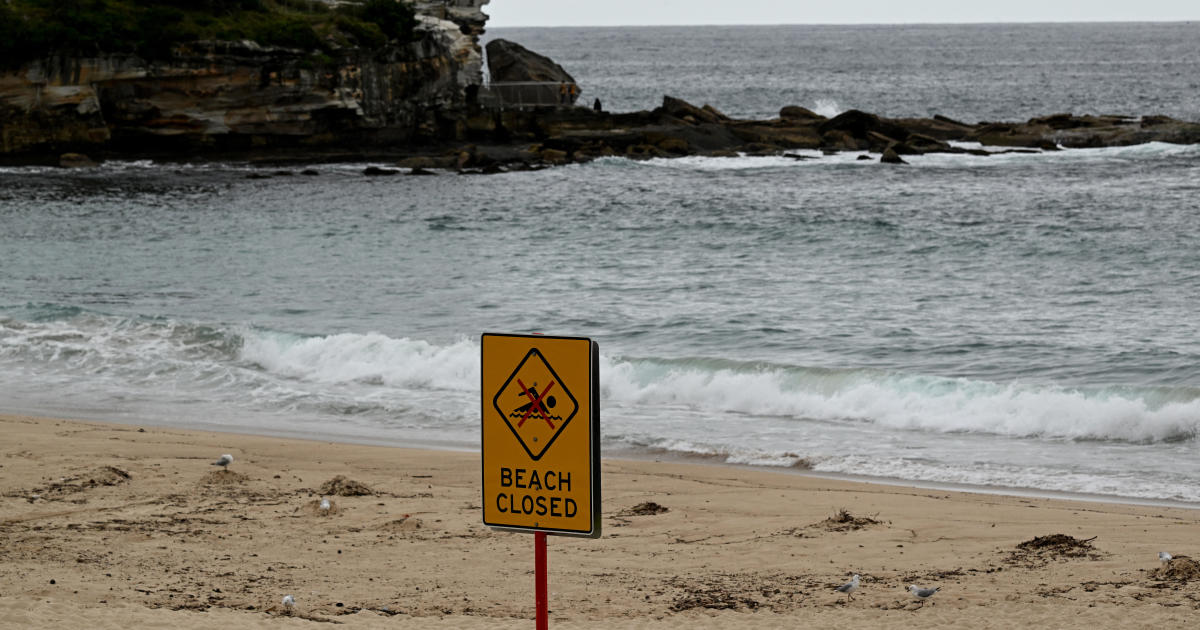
1020,320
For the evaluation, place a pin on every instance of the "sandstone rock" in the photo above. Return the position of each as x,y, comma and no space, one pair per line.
673,145
230,96
468,15
1059,121
837,140
925,144
938,127
554,156
890,157
421,161
680,109
878,142
644,151
511,62
75,160
797,113
715,112
946,119
595,149
1009,134
857,124
1152,121
760,149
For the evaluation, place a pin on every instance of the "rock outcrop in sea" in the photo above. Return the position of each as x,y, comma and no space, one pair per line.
677,128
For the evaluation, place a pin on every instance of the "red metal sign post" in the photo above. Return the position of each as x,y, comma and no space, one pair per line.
543,597
540,478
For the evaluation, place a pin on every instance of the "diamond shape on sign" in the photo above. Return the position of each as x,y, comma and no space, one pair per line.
535,404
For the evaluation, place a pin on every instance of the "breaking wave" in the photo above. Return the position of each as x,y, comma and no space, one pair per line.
374,370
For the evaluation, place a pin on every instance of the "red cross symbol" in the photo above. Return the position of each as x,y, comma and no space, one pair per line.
535,403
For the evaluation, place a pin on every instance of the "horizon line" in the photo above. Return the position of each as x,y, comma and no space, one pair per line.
914,23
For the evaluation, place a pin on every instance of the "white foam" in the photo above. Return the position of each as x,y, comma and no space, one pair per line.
372,358
909,402
827,107
149,351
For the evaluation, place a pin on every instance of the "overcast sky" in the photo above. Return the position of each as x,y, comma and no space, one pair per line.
645,12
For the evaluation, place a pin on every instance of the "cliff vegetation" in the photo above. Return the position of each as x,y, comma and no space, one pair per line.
36,29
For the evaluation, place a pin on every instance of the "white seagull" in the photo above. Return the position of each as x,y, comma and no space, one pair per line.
289,603
1164,557
224,460
849,587
922,593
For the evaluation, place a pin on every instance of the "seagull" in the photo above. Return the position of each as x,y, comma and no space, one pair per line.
324,504
922,593
849,587
289,603
224,460
1164,557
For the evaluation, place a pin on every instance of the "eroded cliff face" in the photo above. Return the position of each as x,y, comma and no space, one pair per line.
236,96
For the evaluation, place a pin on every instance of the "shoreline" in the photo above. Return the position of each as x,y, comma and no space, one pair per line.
656,456
132,525
665,456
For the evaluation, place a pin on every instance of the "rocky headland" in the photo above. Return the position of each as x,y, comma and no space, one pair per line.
356,89
422,104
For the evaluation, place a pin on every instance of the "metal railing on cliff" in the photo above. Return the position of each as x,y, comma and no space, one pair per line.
521,95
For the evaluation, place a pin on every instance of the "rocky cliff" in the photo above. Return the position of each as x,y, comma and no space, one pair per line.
238,96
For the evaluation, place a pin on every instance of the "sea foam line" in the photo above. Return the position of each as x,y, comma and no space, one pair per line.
150,351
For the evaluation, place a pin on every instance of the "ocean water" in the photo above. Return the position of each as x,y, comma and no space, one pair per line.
973,73
1019,320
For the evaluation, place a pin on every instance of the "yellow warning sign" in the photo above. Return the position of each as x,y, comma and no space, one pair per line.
541,434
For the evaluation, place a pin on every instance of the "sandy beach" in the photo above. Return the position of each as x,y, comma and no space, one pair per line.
111,526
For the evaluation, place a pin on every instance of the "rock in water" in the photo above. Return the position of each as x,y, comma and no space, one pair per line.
795,112
891,157
75,160
510,61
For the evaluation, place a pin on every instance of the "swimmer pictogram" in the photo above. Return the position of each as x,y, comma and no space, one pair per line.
525,402
535,404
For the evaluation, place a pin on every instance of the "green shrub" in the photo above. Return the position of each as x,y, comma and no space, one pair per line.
395,19
361,33
31,29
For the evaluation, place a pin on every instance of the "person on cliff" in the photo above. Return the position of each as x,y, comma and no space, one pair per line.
562,92
573,94
597,107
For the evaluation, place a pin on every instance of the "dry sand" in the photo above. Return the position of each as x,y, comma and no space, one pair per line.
110,526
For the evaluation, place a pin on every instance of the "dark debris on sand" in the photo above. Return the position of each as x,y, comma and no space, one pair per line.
1040,550
343,487
224,477
1180,569
737,591
844,521
96,478
649,508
